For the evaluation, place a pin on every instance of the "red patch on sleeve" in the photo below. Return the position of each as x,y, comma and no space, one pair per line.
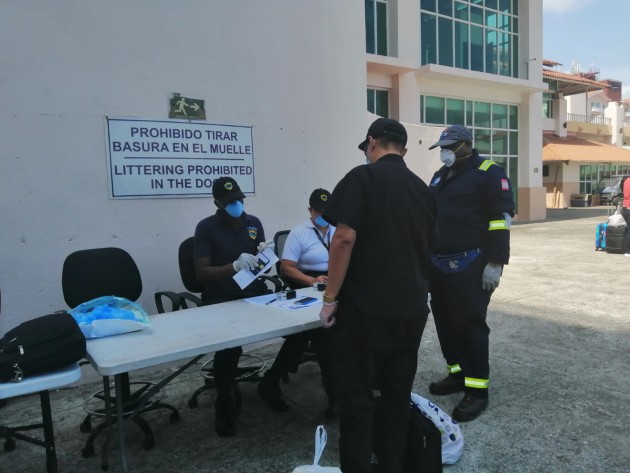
504,185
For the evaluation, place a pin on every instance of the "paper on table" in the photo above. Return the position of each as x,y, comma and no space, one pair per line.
265,260
270,300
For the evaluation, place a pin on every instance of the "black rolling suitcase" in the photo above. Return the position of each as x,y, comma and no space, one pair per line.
614,239
424,442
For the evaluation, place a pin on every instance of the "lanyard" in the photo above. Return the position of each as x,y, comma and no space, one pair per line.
321,239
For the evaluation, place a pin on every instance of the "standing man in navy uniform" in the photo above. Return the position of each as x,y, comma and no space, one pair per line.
225,243
475,207
375,303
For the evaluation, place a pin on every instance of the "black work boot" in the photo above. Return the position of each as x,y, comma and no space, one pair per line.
449,385
269,390
469,408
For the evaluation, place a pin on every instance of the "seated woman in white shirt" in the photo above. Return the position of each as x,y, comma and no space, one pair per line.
304,262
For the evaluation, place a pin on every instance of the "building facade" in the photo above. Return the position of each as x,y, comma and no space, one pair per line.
585,131
476,62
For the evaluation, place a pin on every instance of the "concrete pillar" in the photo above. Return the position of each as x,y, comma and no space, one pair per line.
531,193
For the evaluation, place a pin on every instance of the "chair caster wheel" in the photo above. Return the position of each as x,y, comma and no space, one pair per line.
175,418
86,427
148,444
192,403
9,445
87,451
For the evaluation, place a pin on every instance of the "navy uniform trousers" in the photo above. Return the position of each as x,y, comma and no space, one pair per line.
460,305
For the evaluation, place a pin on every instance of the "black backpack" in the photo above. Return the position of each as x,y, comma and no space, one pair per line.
42,344
424,441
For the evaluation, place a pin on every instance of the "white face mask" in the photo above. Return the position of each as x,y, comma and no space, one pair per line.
447,156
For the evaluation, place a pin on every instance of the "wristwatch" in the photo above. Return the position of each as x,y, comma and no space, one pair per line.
327,299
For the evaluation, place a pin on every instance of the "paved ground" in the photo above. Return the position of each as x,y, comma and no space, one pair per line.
560,388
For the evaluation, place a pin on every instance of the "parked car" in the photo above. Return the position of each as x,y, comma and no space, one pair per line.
609,187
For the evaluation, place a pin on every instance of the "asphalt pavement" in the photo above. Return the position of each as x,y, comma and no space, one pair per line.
559,383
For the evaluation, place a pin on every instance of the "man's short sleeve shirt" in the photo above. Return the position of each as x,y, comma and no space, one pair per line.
393,214
305,248
223,243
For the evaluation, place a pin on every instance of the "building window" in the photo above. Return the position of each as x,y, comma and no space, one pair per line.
547,105
376,27
595,177
378,102
494,127
470,34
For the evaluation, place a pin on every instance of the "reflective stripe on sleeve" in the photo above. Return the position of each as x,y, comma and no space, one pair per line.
486,164
476,383
453,368
498,225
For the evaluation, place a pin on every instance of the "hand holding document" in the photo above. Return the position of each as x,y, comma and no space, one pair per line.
265,259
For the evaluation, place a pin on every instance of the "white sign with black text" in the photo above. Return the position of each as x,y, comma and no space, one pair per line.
153,158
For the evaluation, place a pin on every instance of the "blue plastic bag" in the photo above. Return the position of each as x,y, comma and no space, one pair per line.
109,315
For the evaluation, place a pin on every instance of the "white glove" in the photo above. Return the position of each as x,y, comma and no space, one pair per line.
264,245
491,275
508,219
245,261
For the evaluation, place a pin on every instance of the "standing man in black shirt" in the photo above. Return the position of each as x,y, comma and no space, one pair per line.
375,303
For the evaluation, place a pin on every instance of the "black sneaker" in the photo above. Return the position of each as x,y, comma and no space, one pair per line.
449,385
469,408
271,393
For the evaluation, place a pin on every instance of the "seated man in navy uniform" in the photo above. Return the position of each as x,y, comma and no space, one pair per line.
226,243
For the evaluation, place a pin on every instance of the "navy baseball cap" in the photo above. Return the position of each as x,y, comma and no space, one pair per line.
389,127
453,134
225,190
318,199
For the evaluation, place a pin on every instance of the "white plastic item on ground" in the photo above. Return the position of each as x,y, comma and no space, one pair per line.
452,437
320,443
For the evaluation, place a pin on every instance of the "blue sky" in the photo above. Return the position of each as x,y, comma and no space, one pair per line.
591,33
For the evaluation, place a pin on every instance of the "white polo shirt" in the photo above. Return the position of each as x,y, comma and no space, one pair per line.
304,247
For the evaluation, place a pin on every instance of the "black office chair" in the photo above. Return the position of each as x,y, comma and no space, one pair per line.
279,239
92,273
249,365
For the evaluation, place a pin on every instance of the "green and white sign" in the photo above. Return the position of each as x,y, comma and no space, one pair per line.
184,107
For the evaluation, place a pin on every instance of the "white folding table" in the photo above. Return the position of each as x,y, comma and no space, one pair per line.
183,334
39,384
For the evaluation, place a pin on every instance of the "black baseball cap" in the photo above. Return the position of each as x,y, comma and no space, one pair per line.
453,134
225,190
389,127
318,199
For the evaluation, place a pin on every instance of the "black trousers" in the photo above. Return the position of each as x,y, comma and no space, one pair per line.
290,353
369,351
226,362
460,305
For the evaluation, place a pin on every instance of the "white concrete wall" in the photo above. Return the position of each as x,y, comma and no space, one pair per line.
295,71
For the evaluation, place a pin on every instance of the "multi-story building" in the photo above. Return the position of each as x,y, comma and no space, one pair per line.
476,62
584,132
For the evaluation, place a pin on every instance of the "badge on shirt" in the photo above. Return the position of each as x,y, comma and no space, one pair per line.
253,232
505,186
436,181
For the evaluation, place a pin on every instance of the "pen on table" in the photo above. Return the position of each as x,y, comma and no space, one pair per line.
269,302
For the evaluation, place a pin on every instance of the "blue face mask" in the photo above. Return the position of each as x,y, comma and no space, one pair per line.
320,221
235,209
